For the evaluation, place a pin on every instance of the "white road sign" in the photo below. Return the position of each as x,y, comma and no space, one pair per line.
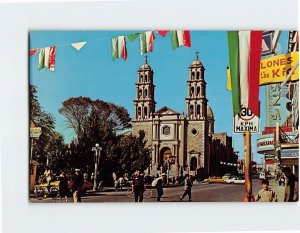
244,121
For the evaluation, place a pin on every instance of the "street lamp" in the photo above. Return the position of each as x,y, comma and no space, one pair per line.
97,150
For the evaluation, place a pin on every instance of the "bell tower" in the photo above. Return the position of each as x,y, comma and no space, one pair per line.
144,104
196,102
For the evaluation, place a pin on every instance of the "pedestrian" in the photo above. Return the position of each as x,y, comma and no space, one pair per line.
63,187
187,188
138,186
291,193
77,186
266,194
48,177
121,182
159,183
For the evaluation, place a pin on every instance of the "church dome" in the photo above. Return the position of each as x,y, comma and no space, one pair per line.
210,114
145,66
196,62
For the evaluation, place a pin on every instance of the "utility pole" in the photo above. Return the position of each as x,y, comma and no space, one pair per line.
248,180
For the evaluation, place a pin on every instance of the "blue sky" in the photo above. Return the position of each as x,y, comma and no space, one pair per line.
92,73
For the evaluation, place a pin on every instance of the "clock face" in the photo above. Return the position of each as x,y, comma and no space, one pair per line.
166,130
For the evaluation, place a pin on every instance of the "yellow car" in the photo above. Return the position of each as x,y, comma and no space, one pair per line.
215,179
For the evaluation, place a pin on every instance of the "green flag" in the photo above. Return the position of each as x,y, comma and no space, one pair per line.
132,37
41,63
143,43
115,50
233,46
174,39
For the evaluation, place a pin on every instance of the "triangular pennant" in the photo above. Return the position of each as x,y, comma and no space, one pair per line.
78,45
33,51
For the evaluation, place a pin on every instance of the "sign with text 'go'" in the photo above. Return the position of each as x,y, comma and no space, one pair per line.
245,121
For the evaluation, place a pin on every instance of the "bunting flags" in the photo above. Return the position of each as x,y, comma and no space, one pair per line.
33,51
119,48
244,59
78,45
146,42
47,58
162,33
179,38
132,37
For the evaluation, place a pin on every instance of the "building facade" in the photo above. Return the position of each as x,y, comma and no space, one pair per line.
180,142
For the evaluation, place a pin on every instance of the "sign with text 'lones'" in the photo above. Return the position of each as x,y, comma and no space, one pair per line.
275,69
245,121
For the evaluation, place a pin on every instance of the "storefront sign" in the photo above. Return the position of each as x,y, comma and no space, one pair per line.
290,153
275,69
265,144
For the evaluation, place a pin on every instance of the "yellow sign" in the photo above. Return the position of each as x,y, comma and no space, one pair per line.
275,69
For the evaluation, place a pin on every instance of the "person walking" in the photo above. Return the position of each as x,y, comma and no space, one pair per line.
266,194
77,186
291,193
48,177
138,186
63,187
187,188
159,183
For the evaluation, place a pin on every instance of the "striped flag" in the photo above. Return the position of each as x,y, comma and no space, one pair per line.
244,60
179,38
33,51
119,48
146,42
163,33
47,58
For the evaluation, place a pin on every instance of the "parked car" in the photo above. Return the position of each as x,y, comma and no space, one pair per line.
235,180
215,179
226,176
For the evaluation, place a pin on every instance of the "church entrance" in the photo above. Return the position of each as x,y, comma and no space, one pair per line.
167,159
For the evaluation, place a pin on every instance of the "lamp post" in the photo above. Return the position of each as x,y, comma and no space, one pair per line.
97,150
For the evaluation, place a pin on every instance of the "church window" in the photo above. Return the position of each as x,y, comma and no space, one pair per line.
146,78
194,132
193,75
192,91
141,79
145,93
198,110
191,110
140,93
198,75
139,112
198,91
145,112
166,130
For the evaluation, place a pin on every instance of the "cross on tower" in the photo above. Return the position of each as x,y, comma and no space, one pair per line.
197,53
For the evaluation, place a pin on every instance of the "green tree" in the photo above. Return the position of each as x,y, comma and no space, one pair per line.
50,142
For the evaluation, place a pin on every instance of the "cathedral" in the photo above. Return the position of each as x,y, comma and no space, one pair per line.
179,141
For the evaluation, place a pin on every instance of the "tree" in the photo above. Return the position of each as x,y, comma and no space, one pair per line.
49,141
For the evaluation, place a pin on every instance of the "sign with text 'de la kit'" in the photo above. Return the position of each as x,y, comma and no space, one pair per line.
246,121
35,132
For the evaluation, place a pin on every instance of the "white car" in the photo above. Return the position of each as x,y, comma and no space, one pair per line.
235,180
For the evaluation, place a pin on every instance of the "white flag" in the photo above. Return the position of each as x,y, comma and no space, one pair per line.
79,45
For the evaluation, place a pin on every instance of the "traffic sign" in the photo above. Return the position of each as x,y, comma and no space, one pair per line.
245,121
35,132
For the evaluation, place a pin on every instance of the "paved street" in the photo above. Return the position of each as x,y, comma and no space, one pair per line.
201,192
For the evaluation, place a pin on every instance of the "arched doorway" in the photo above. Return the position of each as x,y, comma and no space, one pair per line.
193,164
166,158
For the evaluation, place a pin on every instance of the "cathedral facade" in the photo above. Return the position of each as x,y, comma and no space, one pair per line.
179,141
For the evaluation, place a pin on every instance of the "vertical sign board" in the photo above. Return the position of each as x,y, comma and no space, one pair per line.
246,121
35,132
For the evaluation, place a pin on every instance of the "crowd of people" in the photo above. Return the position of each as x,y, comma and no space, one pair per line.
139,181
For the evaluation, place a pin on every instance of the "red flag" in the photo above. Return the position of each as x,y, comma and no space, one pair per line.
254,71
52,55
33,51
162,33
186,38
